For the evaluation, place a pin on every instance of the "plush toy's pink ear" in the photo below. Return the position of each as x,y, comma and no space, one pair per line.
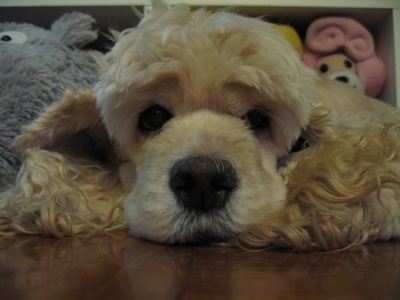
372,73
330,34
310,58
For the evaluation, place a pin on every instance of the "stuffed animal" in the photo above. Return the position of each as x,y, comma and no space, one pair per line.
37,66
340,67
330,35
291,35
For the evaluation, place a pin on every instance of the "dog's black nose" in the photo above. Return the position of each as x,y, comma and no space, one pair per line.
203,183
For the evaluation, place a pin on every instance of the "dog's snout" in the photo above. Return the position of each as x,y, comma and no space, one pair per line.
203,183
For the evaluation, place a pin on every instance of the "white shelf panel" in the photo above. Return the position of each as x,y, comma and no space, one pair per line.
396,42
271,3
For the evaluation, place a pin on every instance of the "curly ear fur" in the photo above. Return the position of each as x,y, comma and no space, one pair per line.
74,188
342,190
60,196
71,126
75,112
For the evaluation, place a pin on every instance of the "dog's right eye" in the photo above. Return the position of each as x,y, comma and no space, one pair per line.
153,119
257,119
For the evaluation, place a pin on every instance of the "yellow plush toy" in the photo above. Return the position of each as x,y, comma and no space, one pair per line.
287,31
291,35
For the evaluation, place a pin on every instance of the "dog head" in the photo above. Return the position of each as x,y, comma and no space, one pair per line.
201,106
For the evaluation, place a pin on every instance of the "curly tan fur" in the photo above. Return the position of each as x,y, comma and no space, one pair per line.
342,190
66,192
66,198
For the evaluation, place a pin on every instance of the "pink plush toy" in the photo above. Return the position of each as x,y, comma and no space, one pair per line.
330,35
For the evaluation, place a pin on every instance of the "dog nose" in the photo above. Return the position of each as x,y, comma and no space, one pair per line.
203,183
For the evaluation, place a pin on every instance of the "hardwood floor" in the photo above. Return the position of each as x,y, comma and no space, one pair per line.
120,267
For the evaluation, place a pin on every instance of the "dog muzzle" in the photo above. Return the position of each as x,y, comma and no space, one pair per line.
203,187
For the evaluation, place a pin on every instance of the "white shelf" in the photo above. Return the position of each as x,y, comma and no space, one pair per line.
271,3
381,17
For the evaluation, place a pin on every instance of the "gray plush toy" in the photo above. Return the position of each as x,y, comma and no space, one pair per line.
36,67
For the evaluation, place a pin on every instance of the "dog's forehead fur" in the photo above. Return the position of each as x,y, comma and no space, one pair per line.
219,48
188,61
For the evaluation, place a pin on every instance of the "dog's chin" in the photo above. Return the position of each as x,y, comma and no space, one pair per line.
189,228
199,236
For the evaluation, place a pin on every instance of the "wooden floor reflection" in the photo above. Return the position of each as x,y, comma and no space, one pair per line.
120,267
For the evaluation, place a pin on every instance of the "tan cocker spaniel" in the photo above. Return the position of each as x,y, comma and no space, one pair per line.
188,137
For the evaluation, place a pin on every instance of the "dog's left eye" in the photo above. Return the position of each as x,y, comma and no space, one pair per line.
153,119
257,119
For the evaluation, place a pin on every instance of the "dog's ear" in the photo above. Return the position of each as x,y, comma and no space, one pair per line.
71,126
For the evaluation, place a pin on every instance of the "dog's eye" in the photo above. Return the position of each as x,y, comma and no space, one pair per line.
347,64
257,119
323,68
153,119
